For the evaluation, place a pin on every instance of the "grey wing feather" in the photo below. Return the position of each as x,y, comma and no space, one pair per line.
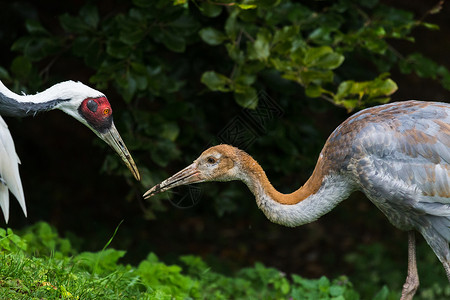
408,158
9,172
398,154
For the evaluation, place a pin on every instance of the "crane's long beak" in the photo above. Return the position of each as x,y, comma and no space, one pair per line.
112,138
188,175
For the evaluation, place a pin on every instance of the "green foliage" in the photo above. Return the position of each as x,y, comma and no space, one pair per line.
104,260
304,44
185,69
42,239
322,288
426,68
354,92
380,269
10,241
100,275
166,281
176,64
46,273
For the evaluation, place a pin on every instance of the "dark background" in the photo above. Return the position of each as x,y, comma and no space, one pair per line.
64,185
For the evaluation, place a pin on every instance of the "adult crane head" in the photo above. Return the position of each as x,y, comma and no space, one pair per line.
84,103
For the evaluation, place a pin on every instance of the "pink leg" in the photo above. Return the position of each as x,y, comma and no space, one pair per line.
412,280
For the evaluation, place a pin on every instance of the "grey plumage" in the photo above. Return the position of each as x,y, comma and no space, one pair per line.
12,108
399,156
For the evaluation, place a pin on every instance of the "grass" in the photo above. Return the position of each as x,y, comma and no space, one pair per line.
38,264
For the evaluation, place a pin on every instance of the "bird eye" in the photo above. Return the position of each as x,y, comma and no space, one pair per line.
106,111
211,160
92,105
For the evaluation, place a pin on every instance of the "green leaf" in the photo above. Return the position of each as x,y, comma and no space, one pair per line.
185,25
89,14
282,65
376,45
89,49
322,35
405,66
212,36
215,81
247,98
4,75
313,91
137,17
235,53
98,262
139,67
247,6
128,86
40,47
132,31
180,2
141,82
210,9
324,284
430,26
350,93
245,79
285,287
329,61
21,43
337,290
382,294
174,42
73,24
35,27
21,67
445,81
313,54
311,76
117,49
345,88
323,57
170,131
286,33
383,87
261,46
231,25
423,66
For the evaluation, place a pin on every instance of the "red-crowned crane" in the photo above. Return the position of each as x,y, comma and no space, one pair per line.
398,154
85,104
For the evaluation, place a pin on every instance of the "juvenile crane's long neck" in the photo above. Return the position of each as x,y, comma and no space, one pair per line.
320,194
15,105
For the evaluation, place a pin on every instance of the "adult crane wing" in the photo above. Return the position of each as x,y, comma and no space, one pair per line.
9,172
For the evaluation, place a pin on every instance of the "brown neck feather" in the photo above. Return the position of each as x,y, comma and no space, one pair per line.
256,174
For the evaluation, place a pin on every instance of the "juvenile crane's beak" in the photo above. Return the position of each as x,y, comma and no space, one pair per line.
112,138
188,175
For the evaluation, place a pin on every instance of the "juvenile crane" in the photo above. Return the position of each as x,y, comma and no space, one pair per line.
85,104
398,154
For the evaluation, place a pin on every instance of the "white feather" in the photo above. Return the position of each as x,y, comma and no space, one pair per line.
74,90
334,190
9,172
